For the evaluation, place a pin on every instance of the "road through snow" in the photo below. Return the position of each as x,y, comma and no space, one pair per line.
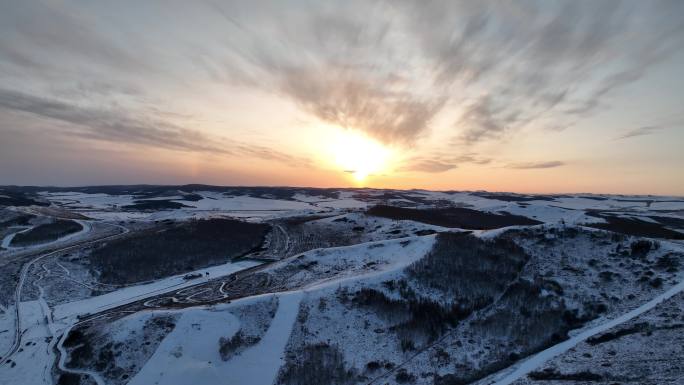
22,277
260,364
8,238
6,242
518,371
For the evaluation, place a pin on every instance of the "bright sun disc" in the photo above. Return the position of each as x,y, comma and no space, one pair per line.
359,155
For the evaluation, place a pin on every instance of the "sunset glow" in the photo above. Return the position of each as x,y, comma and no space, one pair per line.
358,155
531,96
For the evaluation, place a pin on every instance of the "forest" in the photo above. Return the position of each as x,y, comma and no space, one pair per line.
175,248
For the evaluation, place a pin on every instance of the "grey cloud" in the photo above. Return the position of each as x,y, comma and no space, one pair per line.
536,165
106,124
641,131
389,69
441,162
484,120
63,30
340,66
340,97
543,64
267,153
122,126
429,165
385,68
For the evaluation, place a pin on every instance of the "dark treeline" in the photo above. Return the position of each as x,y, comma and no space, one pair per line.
634,226
46,233
176,249
452,217
153,205
19,220
14,197
469,270
414,317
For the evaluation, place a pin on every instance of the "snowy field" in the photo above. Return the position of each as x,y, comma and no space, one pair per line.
546,208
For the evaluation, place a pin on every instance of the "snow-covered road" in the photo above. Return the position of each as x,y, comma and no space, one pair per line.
22,278
8,238
260,364
86,227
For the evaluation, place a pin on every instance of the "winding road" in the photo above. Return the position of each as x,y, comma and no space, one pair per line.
22,278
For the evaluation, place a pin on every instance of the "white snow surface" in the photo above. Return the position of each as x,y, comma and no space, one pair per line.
259,365
190,353
548,209
34,359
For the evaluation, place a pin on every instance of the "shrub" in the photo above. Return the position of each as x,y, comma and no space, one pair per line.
318,364
228,347
640,248
404,377
407,345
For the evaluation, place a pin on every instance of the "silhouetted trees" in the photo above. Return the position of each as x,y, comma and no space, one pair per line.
176,249
317,364
452,217
46,233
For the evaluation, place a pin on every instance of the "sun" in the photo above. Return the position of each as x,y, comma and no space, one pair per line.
358,155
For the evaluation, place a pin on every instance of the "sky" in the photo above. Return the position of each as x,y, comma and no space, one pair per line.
523,96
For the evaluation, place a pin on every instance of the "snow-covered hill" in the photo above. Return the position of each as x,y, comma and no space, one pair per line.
349,286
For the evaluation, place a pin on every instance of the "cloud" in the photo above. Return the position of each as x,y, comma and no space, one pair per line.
437,163
109,125
641,131
390,69
65,31
341,97
484,120
536,165
125,127
429,165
